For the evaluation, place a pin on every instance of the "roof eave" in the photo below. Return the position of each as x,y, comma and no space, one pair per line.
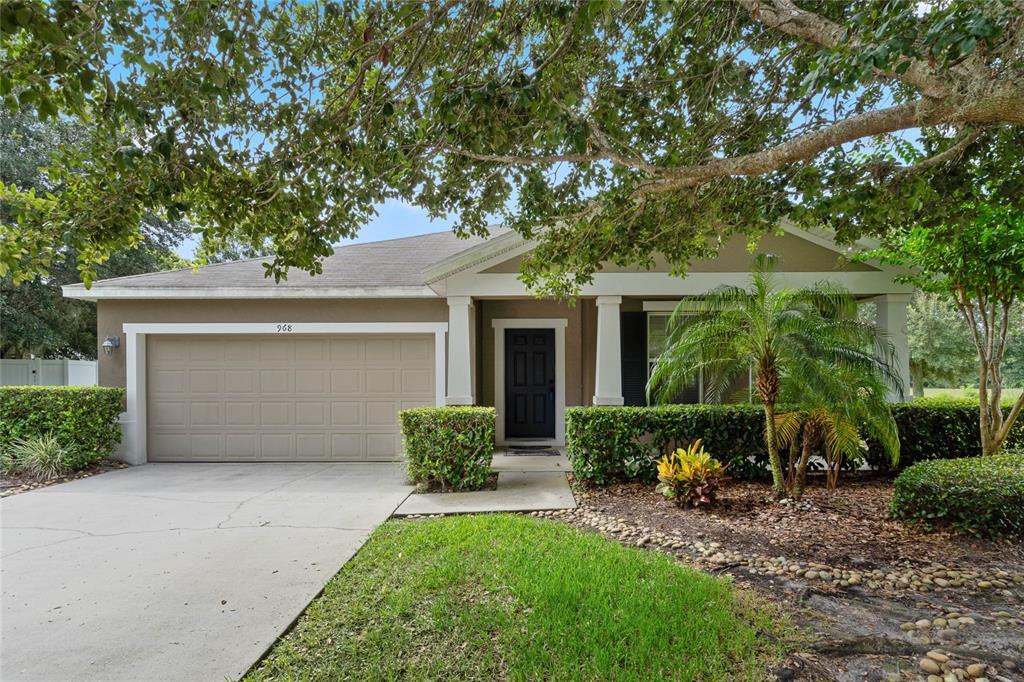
78,291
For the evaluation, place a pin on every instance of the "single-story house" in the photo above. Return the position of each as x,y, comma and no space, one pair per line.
223,364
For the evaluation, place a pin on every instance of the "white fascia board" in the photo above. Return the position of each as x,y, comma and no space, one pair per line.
478,257
663,284
285,328
127,292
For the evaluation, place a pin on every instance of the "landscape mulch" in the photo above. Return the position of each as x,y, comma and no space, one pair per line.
12,484
847,526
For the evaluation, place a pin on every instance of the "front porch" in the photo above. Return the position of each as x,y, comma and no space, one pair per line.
530,358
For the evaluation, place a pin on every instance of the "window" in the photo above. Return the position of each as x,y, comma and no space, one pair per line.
657,337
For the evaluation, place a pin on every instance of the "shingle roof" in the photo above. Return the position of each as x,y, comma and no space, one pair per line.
394,263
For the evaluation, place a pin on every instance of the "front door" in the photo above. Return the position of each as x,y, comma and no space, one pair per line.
529,383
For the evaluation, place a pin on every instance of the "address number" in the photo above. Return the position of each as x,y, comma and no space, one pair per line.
284,327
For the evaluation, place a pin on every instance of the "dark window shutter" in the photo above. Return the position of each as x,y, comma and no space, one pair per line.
633,327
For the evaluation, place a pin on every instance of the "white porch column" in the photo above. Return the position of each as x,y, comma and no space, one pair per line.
891,321
460,354
608,377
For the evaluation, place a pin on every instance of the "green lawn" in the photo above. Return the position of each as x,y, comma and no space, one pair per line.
1009,394
500,596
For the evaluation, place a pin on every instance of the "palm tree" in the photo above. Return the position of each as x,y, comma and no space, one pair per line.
794,336
832,414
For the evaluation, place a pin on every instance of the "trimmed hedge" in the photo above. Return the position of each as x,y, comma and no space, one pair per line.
937,428
449,446
608,443
980,495
83,418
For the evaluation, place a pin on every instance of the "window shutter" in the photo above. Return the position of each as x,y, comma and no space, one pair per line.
633,326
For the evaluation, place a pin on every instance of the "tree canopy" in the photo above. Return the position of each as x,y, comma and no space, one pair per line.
981,266
35,318
609,131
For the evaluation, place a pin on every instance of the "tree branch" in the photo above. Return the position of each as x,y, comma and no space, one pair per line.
799,148
785,16
956,149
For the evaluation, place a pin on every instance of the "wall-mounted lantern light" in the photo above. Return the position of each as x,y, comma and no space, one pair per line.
110,343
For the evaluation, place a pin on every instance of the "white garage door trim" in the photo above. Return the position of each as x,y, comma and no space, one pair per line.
134,421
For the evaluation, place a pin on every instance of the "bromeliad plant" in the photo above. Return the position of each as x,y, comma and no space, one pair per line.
690,475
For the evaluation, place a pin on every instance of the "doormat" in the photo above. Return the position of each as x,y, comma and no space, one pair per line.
534,450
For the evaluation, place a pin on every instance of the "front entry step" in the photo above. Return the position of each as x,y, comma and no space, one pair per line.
517,491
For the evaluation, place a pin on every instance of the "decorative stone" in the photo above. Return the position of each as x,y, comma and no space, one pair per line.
937,656
929,666
976,669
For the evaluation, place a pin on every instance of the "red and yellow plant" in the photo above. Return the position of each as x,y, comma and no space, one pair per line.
690,475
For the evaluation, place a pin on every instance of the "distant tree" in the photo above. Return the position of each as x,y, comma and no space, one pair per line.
980,264
232,251
35,319
941,349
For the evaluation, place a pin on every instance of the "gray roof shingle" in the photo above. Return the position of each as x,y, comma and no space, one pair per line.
390,263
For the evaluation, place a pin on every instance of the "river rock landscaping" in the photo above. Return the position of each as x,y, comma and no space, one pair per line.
885,601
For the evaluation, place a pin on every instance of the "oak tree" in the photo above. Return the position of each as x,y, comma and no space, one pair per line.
608,131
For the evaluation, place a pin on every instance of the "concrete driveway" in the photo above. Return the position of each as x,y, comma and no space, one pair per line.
176,571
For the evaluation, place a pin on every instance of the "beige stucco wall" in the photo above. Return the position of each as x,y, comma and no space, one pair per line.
795,255
579,342
111,315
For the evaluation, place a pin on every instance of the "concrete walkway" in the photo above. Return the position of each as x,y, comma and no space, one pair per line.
525,483
176,571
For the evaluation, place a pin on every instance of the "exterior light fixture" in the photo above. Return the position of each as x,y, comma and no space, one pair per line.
110,343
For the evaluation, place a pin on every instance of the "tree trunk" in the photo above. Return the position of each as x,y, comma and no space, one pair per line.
810,438
778,485
917,381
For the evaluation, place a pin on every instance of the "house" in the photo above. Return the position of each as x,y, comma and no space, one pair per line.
224,364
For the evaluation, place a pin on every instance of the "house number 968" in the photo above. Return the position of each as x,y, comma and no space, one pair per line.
284,327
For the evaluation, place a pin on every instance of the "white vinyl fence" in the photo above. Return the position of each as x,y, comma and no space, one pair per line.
35,372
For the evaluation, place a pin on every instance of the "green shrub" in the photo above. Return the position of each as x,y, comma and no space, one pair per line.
981,495
608,443
937,428
41,457
449,446
84,419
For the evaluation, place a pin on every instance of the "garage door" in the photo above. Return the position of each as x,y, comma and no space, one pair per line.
271,398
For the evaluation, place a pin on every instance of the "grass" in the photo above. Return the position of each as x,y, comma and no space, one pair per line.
1009,394
513,597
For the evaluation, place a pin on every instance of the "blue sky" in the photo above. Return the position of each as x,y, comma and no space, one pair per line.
394,219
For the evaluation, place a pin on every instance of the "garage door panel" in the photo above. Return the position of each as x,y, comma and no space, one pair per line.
347,381
204,413
381,445
241,381
237,413
240,446
205,381
311,381
380,381
164,382
275,381
310,414
168,413
416,380
346,413
252,398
